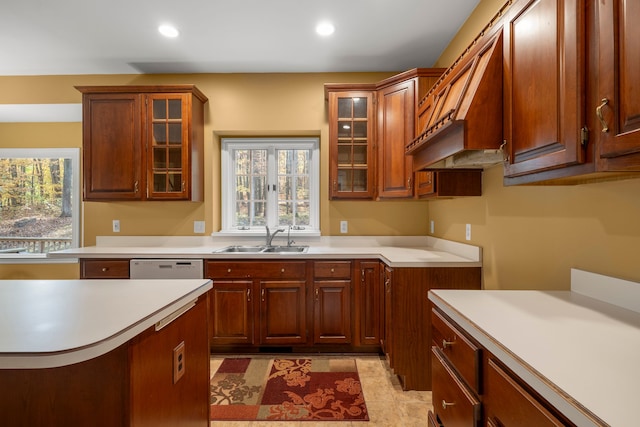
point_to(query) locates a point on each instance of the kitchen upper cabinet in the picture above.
(544, 86)
(615, 104)
(398, 99)
(351, 144)
(143, 142)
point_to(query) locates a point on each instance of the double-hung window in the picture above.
(272, 182)
(39, 200)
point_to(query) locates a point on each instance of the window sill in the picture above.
(262, 233)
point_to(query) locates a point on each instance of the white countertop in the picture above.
(49, 323)
(408, 251)
(578, 352)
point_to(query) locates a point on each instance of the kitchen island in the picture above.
(573, 354)
(104, 352)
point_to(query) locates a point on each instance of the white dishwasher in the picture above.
(166, 269)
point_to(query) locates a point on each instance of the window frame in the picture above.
(271, 144)
(51, 153)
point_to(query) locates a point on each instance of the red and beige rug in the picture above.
(257, 389)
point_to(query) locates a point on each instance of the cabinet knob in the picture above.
(248, 295)
(105, 269)
(135, 187)
(445, 405)
(228, 270)
(282, 271)
(332, 270)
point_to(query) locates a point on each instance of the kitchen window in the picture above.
(39, 200)
(272, 182)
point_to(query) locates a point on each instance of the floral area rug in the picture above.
(259, 389)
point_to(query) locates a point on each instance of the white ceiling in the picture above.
(45, 37)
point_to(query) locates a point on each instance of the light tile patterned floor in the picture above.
(387, 404)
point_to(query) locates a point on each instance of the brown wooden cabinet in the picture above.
(368, 302)
(131, 385)
(449, 183)
(232, 308)
(332, 302)
(408, 317)
(614, 108)
(104, 268)
(257, 303)
(472, 388)
(143, 142)
(351, 142)
(544, 86)
(398, 99)
(283, 319)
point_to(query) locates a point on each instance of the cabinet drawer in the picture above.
(464, 354)
(332, 269)
(508, 404)
(431, 420)
(104, 269)
(254, 269)
(454, 402)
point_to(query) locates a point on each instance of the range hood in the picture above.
(460, 118)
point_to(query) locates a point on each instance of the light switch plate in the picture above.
(116, 225)
(432, 226)
(344, 227)
(468, 232)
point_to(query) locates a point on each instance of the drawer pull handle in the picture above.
(248, 295)
(603, 122)
(447, 404)
(446, 343)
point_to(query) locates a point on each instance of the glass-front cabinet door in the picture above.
(167, 146)
(351, 139)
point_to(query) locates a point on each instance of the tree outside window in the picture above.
(38, 200)
(270, 182)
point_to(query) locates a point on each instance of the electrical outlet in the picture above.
(178, 362)
(468, 232)
(432, 226)
(116, 225)
(344, 227)
(198, 226)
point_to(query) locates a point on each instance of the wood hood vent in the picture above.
(461, 116)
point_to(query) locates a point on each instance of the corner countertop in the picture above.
(579, 352)
(51, 323)
(403, 251)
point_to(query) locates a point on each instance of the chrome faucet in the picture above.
(271, 236)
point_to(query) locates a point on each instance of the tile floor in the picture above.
(387, 404)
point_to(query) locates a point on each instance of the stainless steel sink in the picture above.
(286, 249)
(241, 249)
(262, 249)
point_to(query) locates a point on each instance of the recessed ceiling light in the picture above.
(168, 31)
(325, 28)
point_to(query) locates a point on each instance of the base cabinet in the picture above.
(471, 387)
(132, 385)
(408, 318)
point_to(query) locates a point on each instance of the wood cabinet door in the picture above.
(232, 312)
(368, 304)
(112, 147)
(351, 145)
(167, 143)
(387, 333)
(396, 126)
(617, 96)
(544, 85)
(282, 312)
(332, 311)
